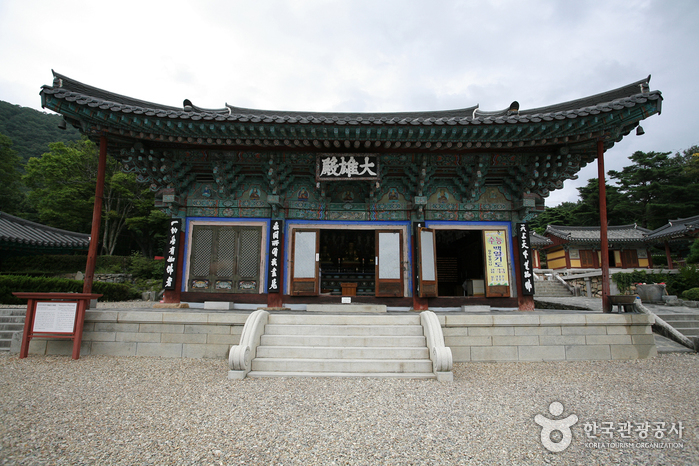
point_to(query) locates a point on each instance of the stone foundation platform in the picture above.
(481, 337)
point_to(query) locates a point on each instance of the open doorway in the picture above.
(347, 256)
(460, 263)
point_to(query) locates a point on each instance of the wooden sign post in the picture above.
(55, 315)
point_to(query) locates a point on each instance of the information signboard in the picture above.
(55, 317)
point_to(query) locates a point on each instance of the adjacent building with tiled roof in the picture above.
(679, 229)
(19, 237)
(576, 247)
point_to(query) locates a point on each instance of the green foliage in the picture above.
(148, 226)
(693, 257)
(687, 278)
(624, 280)
(145, 268)
(10, 194)
(691, 295)
(57, 264)
(62, 185)
(32, 130)
(13, 283)
(563, 214)
(658, 187)
(676, 284)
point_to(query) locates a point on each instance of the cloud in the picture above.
(365, 55)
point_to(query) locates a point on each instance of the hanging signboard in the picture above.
(333, 167)
(496, 258)
(273, 267)
(525, 260)
(171, 254)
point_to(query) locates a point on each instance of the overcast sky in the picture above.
(373, 55)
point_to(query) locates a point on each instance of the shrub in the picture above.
(624, 280)
(691, 294)
(58, 264)
(693, 257)
(10, 283)
(142, 267)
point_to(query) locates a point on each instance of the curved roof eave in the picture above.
(625, 96)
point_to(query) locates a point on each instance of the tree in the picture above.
(587, 213)
(563, 214)
(657, 187)
(62, 186)
(10, 193)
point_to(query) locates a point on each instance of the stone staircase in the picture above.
(11, 322)
(686, 324)
(341, 345)
(551, 289)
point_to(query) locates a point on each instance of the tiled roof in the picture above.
(617, 234)
(676, 229)
(21, 232)
(628, 96)
(539, 241)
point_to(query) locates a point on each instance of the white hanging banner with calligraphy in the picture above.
(496, 258)
(274, 265)
(526, 266)
(172, 250)
(332, 167)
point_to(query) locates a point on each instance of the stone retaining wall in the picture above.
(549, 337)
(471, 337)
(150, 333)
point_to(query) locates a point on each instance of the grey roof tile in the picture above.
(676, 229)
(618, 233)
(24, 232)
(623, 97)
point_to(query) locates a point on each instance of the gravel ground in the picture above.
(110, 410)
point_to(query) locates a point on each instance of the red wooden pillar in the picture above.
(670, 265)
(96, 217)
(604, 244)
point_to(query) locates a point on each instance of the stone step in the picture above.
(338, 340)
(13, 312)
(11, 319)
(344, 330)
(12, 327)
(678, 317)
(341, 365)
(340, 352)
(5, 344)
(688, 331)
(8, 333)
(344, 319)
(683, 323)
(392, 375)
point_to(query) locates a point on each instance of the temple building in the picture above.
(407, 209)
(575, 247)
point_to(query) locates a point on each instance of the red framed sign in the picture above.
(54, 315)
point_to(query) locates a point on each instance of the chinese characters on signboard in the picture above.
(275, 241)
(171, 252)
(526, 265)
(496, 258)
(347, 166)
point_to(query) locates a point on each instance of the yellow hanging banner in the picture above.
(496, 266)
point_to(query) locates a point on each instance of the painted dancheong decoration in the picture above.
(294, 206)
